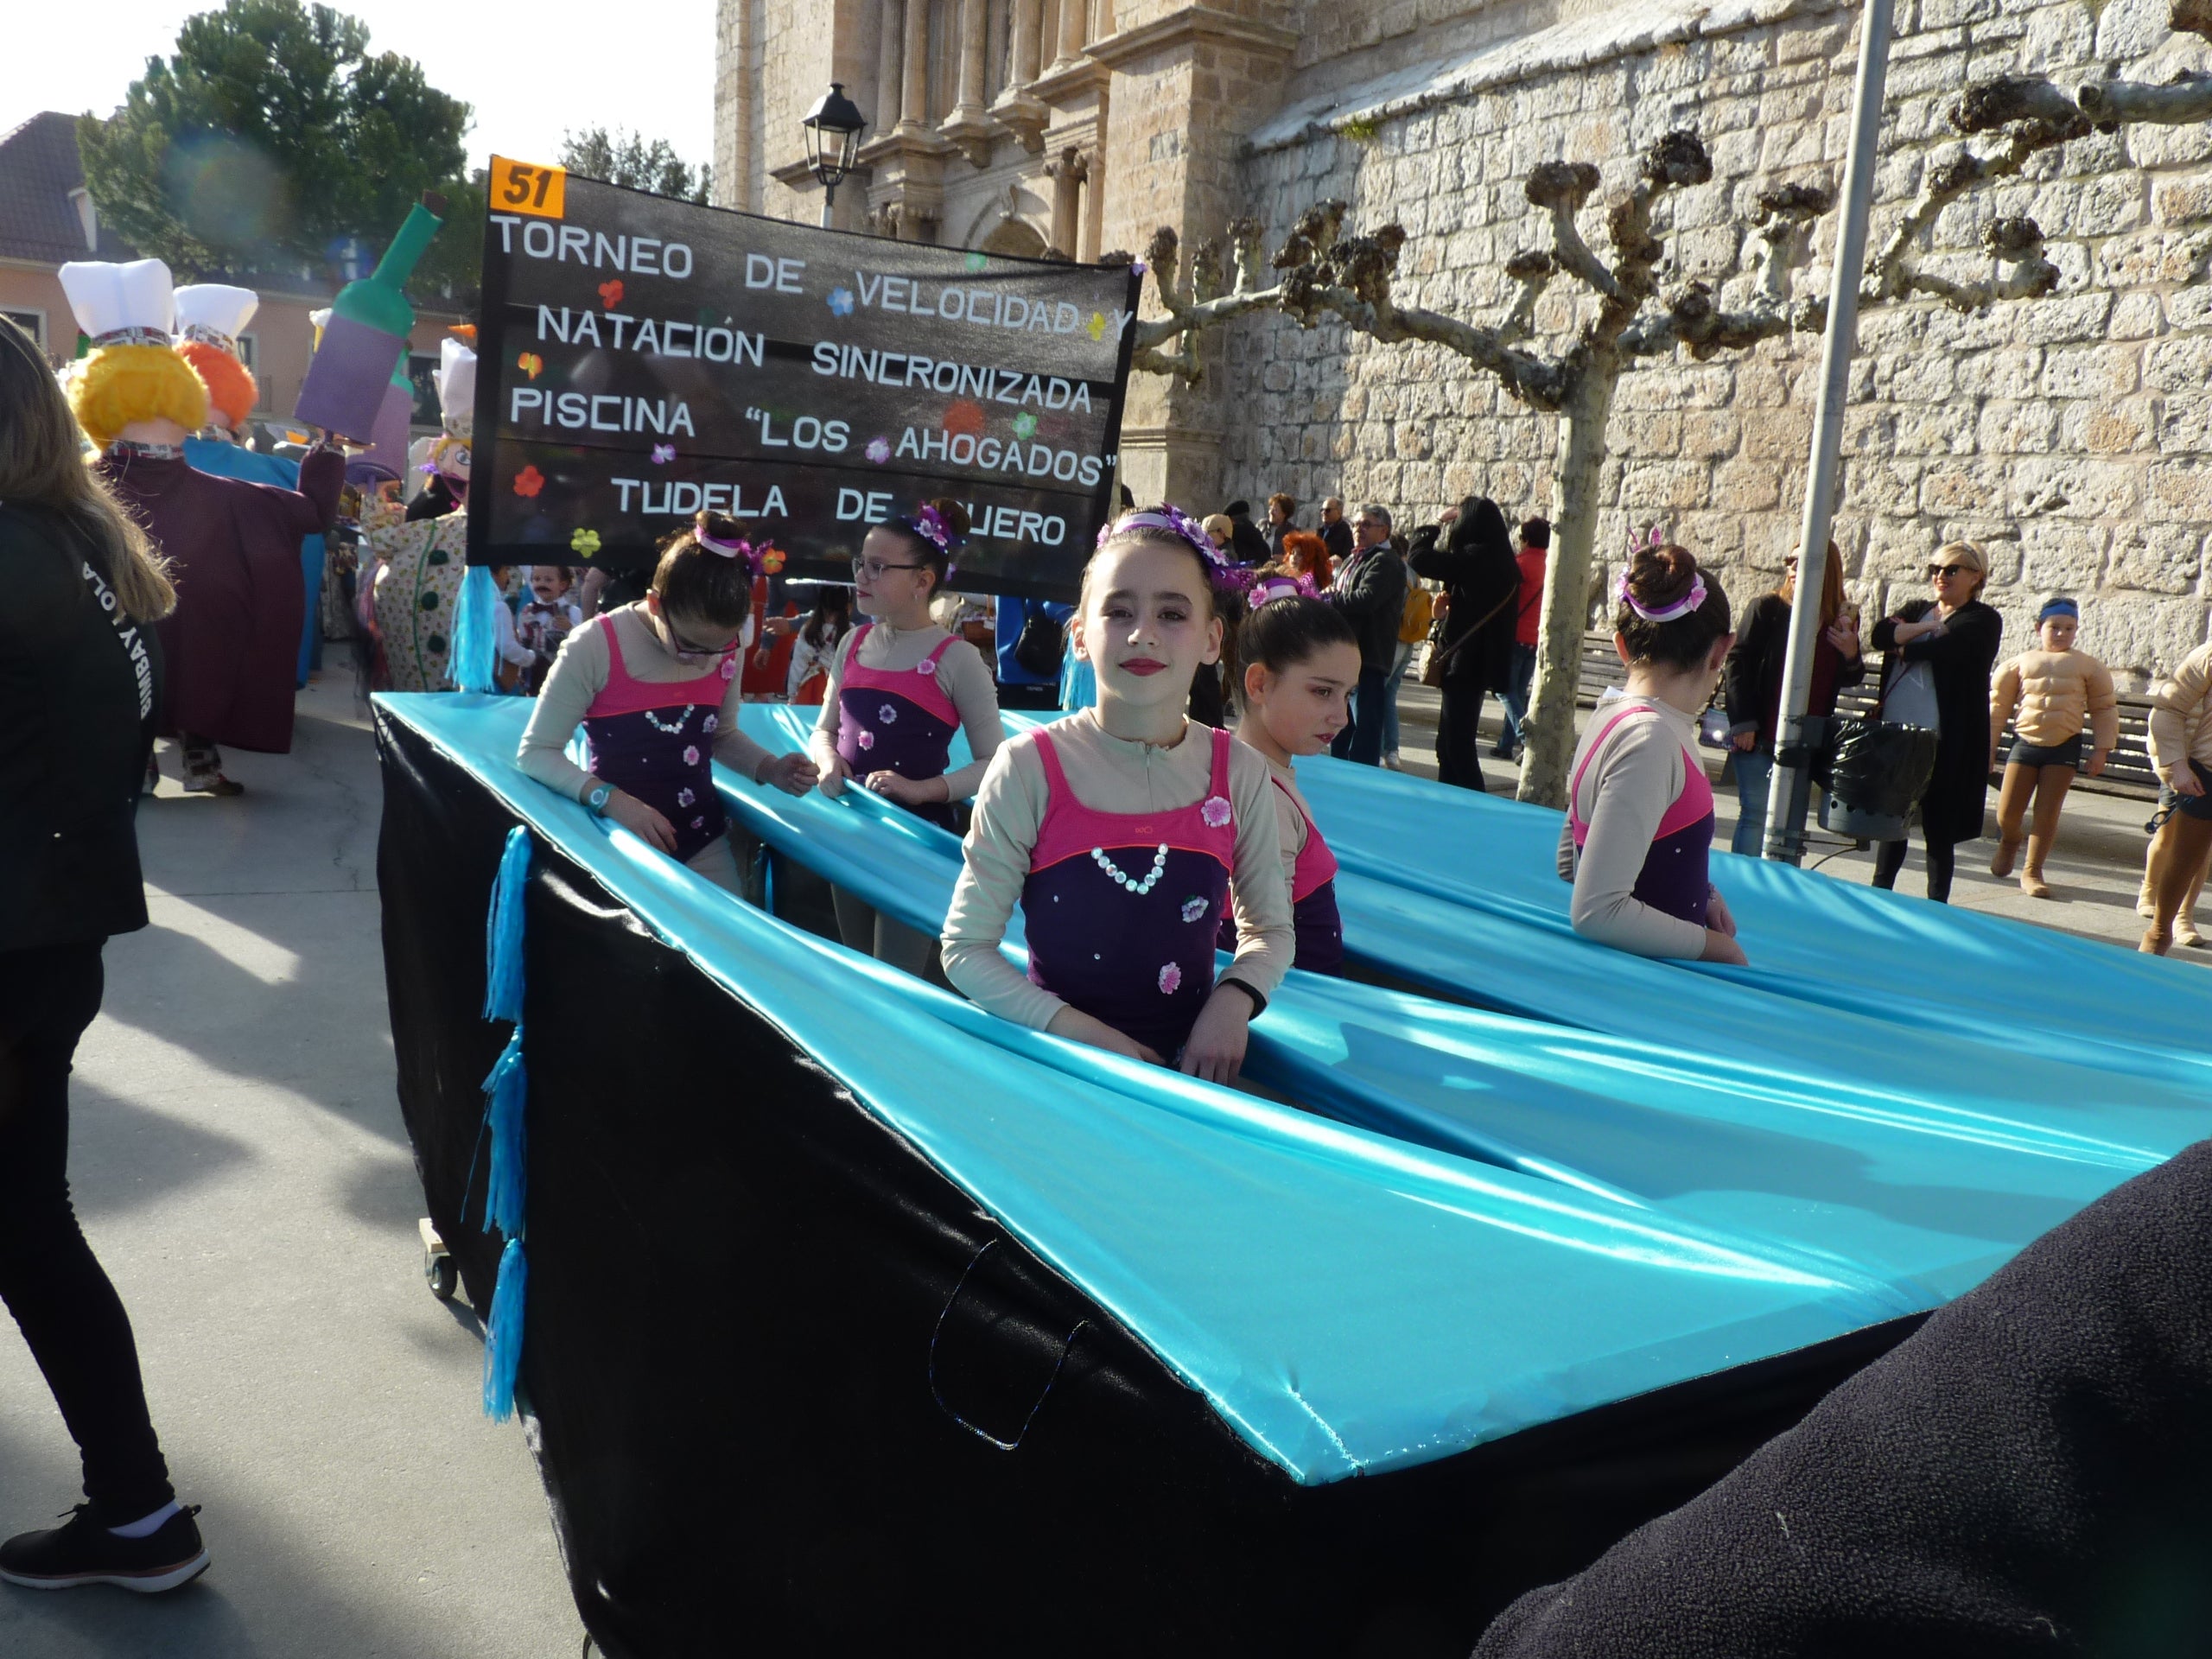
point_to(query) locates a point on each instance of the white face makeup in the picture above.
(1147, 624)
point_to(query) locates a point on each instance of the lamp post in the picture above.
(833, 138)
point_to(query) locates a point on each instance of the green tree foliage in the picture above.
(625, 158)
(270, 135)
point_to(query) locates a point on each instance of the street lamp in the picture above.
(833, 137)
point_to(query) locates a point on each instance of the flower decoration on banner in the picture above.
(1194, 909)
(1097, 328)
(965, 415)
(1138, 266)
(1170, 979)
(585, 542)
(662, 453)
(865, 737)
(691, 758)
(610, 293)
(528, 482)
(1216, 812)
(878, 450)
(887, 714)
(840, 301)
(684, 797)
(1024, 426)
(530, 364)
(978, 261)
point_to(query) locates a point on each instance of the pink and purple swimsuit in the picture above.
(1121, 909)
(1676, 875)
(655, 740)
(1320, 925)
(899, 722)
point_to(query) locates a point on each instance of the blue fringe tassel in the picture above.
(474, 646)
(502, 1335)
(508, 1085)
(503, 931)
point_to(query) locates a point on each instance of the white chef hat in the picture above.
(122, 305)
(215, 312)
(457, 388)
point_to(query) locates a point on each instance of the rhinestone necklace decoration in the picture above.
(670, 728)
(1152, 878)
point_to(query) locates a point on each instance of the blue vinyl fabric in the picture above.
(1920, 1194)
(1349, 1299)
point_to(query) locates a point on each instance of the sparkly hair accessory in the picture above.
(764, 559)
(1680, 607)
(926, 521)
(1222, 573)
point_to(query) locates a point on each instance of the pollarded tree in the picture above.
(1322, 270)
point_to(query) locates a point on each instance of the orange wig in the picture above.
(231, 390)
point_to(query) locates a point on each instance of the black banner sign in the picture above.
(640, 358)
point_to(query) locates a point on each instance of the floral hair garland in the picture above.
(762, 559)
(1225, 576)
(1268, 586)
(1688, 602)
(926, 521)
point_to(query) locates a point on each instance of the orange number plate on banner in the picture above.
(527, 187)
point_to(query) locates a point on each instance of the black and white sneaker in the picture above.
(85, 1552)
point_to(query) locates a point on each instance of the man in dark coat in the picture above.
(1481, 582)
(1370, 590)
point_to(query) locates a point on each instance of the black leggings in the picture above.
(49, 1278)
(1459, 761)
(1889, 859)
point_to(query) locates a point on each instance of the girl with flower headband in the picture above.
(899, 687)
(1118, 831)
(655, 687)
(1639, 816)
(2058, 691)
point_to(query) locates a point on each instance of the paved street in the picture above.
(240, 1165)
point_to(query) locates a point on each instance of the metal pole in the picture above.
(1791, 789)
(829, 201)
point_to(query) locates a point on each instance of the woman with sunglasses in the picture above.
(899, 687)
(655, 686)
(1956, 636)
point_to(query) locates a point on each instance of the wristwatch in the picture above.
(597, 797)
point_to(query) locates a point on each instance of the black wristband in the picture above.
(1259, 1002)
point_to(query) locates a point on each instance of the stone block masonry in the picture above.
(2071, 436)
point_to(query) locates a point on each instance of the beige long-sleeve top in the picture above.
(2057, 695)
(1291, 813)
(2179, 729)
(960, 674)
(1634, 771)
(1109, 774)
(580, 673)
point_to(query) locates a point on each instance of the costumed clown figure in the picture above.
(231, 646)
(422, 559)
(210, 317)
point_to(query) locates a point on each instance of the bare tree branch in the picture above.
(1560, 188)
(1532, 272)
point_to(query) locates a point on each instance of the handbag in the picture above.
(1040, 644)
(1878, 767)
(1436, 664)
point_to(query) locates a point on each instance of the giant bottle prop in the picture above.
(362, 344)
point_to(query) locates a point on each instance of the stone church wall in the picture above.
(2070, 435)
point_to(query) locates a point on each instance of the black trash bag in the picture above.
(1877, 768)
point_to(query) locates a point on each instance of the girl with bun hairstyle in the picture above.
(655, 686)
(1301, 663)
(1119, 830)
(899, 687)
(1639, 817)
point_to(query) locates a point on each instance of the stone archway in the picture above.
(1014, 236)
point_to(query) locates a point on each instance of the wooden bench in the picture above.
(2127, 770)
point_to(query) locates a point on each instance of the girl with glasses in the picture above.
(1956, 636)
(1117, 830)
(655, 686)
(899, 687)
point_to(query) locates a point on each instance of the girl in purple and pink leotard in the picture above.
(900, 688)
(1120, 829)
(1301, 662)
(1639, 816)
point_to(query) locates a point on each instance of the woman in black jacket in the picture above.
(1957, 636)
(78, 683)
(1481, 580)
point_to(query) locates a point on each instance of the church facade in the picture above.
(2071, 435)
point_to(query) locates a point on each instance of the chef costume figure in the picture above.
(210, 317)
(231, 648)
